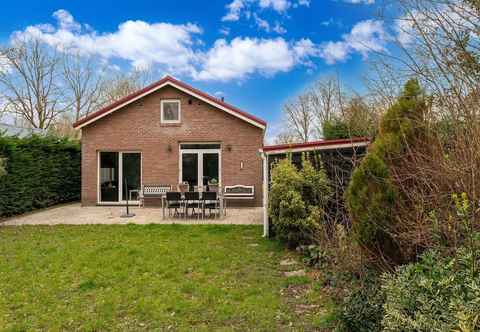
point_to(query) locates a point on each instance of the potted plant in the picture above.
(213, 185)
(183, 186)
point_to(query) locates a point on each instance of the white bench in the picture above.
(235, 192)
(239, 192)
(153, 191)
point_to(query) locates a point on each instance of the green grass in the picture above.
(154, 277)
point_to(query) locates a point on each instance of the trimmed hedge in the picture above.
(41, 172)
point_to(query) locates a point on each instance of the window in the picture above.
(170, 111)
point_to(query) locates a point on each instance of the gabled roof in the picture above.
(316, 145)
(168, 80)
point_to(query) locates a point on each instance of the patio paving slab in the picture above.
(75, 214)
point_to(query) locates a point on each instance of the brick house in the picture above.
(168, 133)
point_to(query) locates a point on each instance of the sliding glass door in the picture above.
(119, 176)
(109, 170)
(131, 175)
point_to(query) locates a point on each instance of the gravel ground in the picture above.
(75, 214)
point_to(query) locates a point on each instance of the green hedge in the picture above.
(41, 172)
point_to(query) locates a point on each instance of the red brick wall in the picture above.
(137, 127)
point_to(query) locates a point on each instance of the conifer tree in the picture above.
(372, 196)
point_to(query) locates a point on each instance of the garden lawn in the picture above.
(147, 277)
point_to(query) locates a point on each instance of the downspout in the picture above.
(265, 194)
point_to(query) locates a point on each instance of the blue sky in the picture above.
(257, 53)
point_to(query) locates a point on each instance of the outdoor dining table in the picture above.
(220, 198)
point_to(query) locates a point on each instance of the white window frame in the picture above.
(200, 153)
(162, 120)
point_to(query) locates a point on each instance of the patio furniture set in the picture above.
(192, 201)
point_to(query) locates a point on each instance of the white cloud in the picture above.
(356, 2)
(224, 31)
(279, 29)
(238, 7)
(178, 50)
(66, 21)
(262, 24)
(141, 43)
(234, 10)
(243, 57)
(404, 30)
(442, 16)
(265, 25)
(277, 5)
(305, 3)
(365, 37)
(304, 49)
(4, 64)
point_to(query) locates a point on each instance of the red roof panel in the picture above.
(313, 144)
(125, 100)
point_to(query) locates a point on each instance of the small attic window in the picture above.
(170, 111)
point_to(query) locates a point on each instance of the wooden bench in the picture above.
(153, 191)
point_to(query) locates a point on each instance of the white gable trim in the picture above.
(187, 91)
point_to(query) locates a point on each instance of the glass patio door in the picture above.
(131, 176)
(119, 176)
(210, 167)
(190, 169)
(200, 164)
(109, 170)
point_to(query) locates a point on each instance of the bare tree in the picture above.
(299, 118)
(326, 110)
(83, 81)
(121, 84)
(285, 137)
(383, 85)
(29, 86)
(327, 100)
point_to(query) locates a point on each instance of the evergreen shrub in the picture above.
(40, 172)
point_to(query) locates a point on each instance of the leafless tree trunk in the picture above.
(327, 100)
(119, 85)
(83, 84)
(324, 106)
(299, 118)
(28, 86)
(285, 137)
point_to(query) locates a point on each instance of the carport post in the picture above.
(265, 194)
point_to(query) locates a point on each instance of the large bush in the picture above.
(40, 172)
(297, 201)
(372, 195)
(435, 294)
